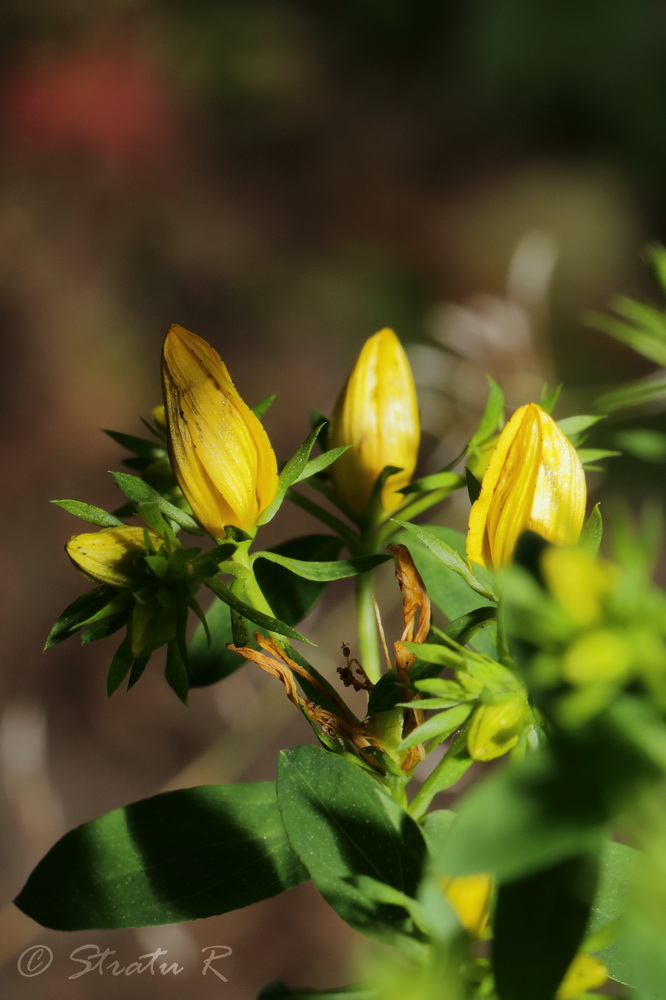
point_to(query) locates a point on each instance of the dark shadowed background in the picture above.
(283, 178)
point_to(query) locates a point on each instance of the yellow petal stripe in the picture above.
(377, 415)
(220, 453)
(534, 481)
(110, 555)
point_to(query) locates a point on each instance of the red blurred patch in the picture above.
(108, 103)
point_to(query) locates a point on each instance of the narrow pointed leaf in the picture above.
(88, 513)
(138, 491)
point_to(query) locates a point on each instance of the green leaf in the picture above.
(91, 515)
(646, 338)
(438, 727)
(323, 572)
(642, 442)
(178, 856)
(444, 480)
(121, 664)
(618, 868)
(343, 825)
(278, 991)
(79, 612)
(321, 462)
(539, 924)
(492, 419)
(640, 393)
(575, 427)
(261, 407)
(290, 474)
(175, 670)
(593, 529)
(208, 662)
(291, 597)
(451, 559)
(143, 447)
(258, 617)
(533, 803)
(138, 492)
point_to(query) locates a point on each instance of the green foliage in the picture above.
(178, 856)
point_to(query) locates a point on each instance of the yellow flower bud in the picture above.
(469, 897)
(495, 729)
(377, 415)
(110, 555)
(534, 481)
(585, 973)
(220, 453)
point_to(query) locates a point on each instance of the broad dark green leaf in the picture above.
(540, 921)
(291, 597)
(343, 825)
(178, 856)
(88, 513)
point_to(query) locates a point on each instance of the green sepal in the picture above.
(260, 408)
(175, 670)
(473, 485)
(290, 474)
(592, 533)
(144, 448)
(321, 462)
(178, 856)
(491, 421)
(90, 514)
(550, 397)
(138, 491)
(121, 664)
(576, 428)
(79, 613)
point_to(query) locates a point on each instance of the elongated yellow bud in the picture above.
(220, 453)
(469, 897)
(377, 415)
(110, 555)
(534, 481)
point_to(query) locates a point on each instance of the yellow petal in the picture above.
(585, 973)
(110, 555)
(377, 415)
(469, 897)
(220, 453)
(534, 481)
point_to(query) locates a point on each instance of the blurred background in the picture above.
(283, 178)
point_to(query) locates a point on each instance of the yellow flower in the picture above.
(469, 897)
(495, 729)
(220, 453)
(584, 973)
(110, 555)
(534, 481)
(377, 415)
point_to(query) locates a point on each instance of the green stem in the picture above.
(339, 527)
(368, 640)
